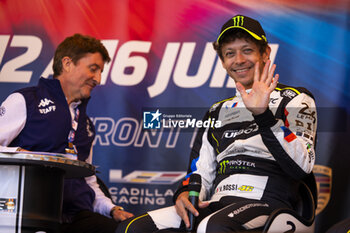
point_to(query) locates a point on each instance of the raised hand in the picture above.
(258, 98)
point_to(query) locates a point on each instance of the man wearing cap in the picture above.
(252, 164)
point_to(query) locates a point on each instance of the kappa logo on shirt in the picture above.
(44, 107)
(45, 102)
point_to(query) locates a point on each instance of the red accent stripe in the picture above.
(170, 175)
(325, 190)
(185, 182)
(322, 179)
(286, 113)
(290, 137)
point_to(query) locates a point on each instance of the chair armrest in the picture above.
(285, 220)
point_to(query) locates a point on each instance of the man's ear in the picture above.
(66, 63)
(266, 54)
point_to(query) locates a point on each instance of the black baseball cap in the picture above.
(246, 23)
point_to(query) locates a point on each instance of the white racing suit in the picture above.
(250, 165)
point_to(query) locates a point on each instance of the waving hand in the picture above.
(258, 98)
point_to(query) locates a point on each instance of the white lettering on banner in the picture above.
(274, 48)
(160, 201)
(128, 69)
(153, 137)
(125, 131)
(140, 196)
(181, 79)
(193, 137)
(124, 60)
(171, 142)
(4, 39)
(9, 72)
(104, 128)
(165, 69)
(48, 71)
(111, 46)
(128, 131)
(219, 75)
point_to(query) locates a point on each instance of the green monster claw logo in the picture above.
(235, 165)
(223, 167)
(238, 20)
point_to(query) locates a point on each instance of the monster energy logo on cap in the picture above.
(250, 25)
(238, 21)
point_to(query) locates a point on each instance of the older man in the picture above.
(51, 117)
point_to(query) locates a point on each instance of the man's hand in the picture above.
(183, 204)
(258, 98)
(120, 215)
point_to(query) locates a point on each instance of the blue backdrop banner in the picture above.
(164, 71)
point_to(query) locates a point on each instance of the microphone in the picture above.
(194, 187)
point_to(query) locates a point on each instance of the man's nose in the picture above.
(240, 58)
(97, 77)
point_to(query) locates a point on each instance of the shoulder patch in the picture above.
(291, 92)
(288, 93)
(214, 106)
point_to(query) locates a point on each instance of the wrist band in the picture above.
(115, 208)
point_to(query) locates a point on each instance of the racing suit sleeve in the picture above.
(202, 161)
(291, 141)
(13, 116)
(102, 204)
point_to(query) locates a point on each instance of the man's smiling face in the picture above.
(239, 58)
